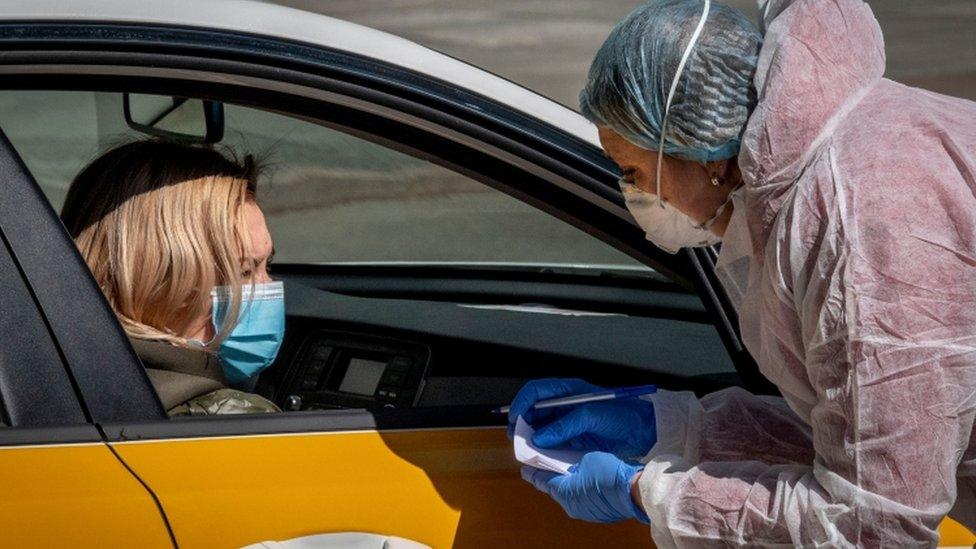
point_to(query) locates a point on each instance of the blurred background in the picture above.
(547, 45)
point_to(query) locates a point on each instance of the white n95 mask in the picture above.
(666, 226)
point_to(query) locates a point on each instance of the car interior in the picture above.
(409, 285)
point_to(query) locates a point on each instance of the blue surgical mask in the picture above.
(254, 342)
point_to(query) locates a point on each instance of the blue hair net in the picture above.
(631, 76)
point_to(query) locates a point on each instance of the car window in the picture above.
(328, 196)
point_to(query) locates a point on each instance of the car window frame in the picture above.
(349, 101)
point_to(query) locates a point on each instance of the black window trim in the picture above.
(54, 435)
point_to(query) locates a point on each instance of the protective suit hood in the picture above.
(818, 59)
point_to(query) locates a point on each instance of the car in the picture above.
(444, 236)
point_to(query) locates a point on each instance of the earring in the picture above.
(716, 181)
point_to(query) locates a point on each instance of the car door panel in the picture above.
(445, 487)
(72, 494)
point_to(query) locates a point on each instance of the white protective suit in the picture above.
(860, 209)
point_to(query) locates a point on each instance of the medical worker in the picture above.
(846, 208)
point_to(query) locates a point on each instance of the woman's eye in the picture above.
(246, 274)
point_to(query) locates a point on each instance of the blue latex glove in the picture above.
(597, 490)
(625, 427)
(544, 389)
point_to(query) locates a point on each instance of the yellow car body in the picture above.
(444, 488)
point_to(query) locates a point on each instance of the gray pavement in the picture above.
(547, 45)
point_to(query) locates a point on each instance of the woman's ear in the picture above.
(722, 172)
(715, 171)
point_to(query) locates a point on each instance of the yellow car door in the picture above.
(61, 492)
(319, 472)
(324, 472)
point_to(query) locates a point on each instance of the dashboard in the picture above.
(382, 353)
(344, 370)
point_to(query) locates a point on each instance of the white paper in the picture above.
(557, 461)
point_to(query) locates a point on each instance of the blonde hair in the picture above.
(159, 225)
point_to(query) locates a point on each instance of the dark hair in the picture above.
(152, 161)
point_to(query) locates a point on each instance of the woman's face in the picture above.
(260, 254)
(685, 184)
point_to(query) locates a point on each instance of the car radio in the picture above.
(343, 370)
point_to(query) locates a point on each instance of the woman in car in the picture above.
(846, 208)
(177, 243)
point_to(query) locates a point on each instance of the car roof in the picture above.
(266, 19)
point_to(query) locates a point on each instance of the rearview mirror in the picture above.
(174, 118)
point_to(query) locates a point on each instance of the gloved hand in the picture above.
(625, 427)
(597, 490)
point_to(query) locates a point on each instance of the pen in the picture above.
(608, 394)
